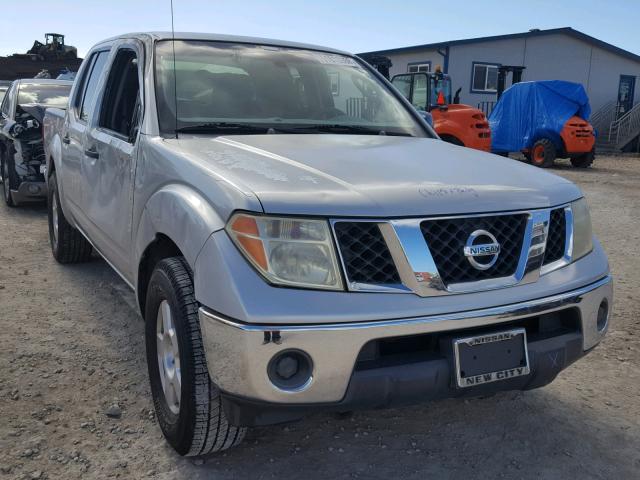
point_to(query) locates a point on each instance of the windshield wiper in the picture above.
(346, 129)
(224, 127)
(256, 128)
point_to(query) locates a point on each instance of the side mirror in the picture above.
(427, 117)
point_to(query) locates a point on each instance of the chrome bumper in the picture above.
(238, 354)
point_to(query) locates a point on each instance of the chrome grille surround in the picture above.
(419, 273)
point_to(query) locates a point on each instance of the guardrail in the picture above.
(602, 118)
(486, 107)
(625, 128)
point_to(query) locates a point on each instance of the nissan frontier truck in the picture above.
(300, 240)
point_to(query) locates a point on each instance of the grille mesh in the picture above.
(365, 254)
(556, 237)
(447, 237)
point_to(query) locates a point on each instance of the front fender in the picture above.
(180, 213)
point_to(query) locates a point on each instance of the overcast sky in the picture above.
(353, 25)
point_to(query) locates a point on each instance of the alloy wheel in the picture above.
(168, 357)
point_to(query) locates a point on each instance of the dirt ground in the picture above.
(71, 345)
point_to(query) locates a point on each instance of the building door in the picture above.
(626, 91)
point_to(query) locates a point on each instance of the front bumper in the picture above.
(238, 353)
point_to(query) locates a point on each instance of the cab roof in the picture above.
(158, 36)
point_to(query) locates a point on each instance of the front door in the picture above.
(626, 91)
(110, 157)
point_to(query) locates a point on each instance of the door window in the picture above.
(88, 93)
(626, 91)
(121, 102)
(403, 84)
(419, 99)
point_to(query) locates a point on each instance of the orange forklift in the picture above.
(431, 92)
(455, 123)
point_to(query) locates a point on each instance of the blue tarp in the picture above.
(529, 111)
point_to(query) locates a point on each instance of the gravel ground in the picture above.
(71, 346)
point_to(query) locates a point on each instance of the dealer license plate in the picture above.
(491, 357)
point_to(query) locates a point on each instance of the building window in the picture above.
(484, 77)
(419, 67)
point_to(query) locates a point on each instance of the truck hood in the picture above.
(373, 176)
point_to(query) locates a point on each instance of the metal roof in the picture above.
(531, 33)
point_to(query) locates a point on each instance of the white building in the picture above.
(608, 73)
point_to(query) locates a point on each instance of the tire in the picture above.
(187, 404)
(543, 153)
(7, 183)
(584, 161)
(67, 243)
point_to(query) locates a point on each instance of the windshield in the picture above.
(236, 85)
(51, 95)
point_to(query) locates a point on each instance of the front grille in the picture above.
(365, 254)
(556, 237)
(446, 239)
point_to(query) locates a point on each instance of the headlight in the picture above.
(582, 234)
(288, 251)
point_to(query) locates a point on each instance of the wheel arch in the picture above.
(176, 221)
(160, 248)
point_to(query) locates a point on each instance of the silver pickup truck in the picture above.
(300, 240)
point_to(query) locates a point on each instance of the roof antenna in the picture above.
(175, 75)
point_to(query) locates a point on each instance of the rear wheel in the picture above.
(543, 153)
(7, 183)
(585, 160)
(68, 245)
(187, 403)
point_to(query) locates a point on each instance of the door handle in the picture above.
(91, 153)
(66, 139)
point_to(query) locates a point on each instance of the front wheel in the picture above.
(543, 153)
(585, 160)
(187, 403)
(7, 183)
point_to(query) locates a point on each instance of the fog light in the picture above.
(34, 189)
(290, 370)
(603, 315)
(287, 367)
